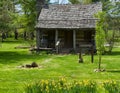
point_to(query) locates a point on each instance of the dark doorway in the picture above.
(51, 39)
(87, 36)
(68, 37)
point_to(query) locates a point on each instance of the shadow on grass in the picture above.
(8, 57)
(12, 41)
(114, 70)
(114, 53)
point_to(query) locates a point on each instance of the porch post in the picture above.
(38, 38)
(74, 39)
(56, 39)
(56, 36)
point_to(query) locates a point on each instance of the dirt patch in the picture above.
(99, 70)
(32, 65)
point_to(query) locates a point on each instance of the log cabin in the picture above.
(66, 27)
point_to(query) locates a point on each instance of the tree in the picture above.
(96, 0)
(39, 4)
(74, 1)
(81, 1)
(111, 22)
(6, 8)
(100, 37)
(84, 1)
(28, 15)
(106, 28)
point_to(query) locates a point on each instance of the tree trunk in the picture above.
(3, 36)
(99, 65)
(32, 36)
(25, 35)
(16, 34)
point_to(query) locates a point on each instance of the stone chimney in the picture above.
(39, 5)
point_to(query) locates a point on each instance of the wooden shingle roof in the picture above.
(69, 16)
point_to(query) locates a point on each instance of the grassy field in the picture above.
(13, 78)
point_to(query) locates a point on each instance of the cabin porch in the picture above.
(65, 40)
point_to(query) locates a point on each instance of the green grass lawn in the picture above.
(13, 78)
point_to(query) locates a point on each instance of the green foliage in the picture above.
(83, 1)
(87, 1)
(74, 1)
(6, 8)
(96, 0)
(100, 36)
(111, 22)
(28, 17)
